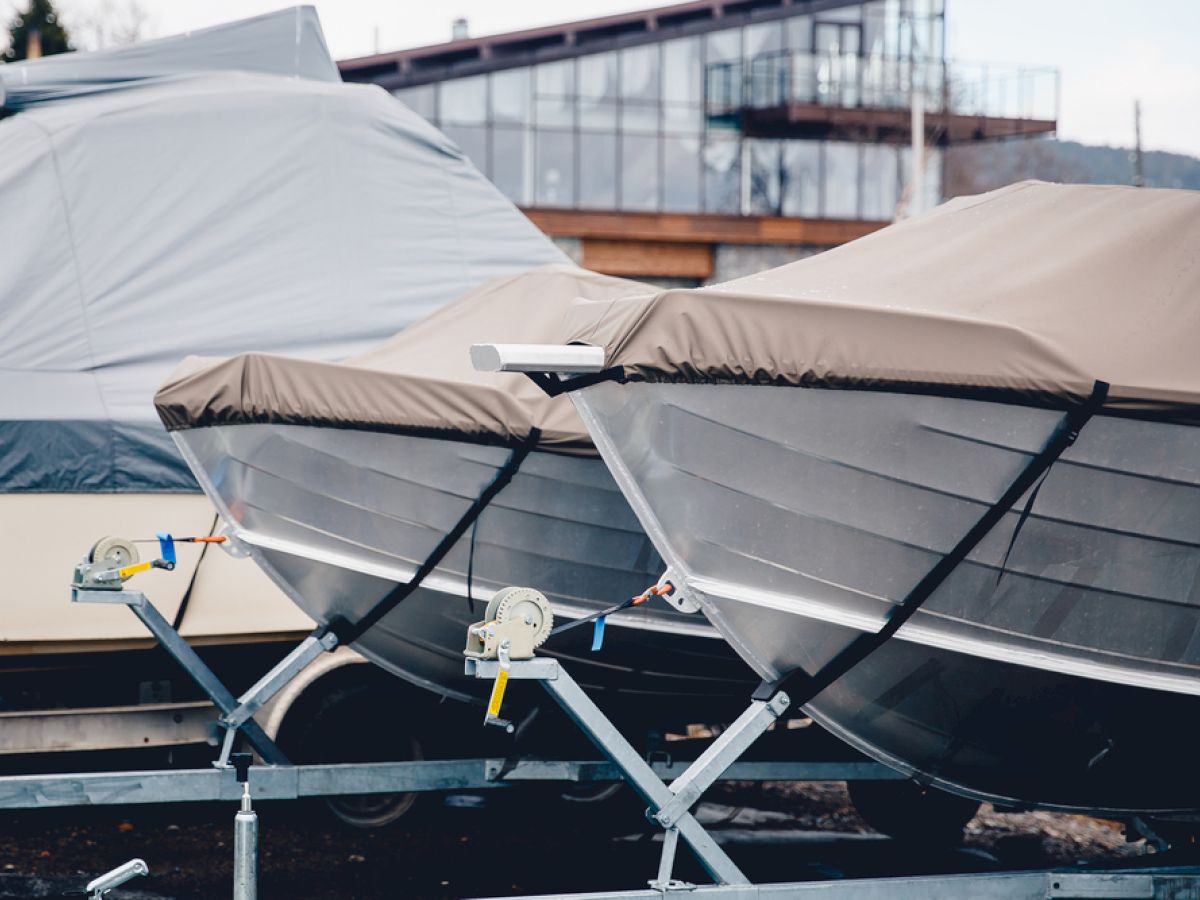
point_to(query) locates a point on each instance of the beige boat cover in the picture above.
(418, 382)
(1030, 293)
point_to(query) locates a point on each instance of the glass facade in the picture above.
(635, 129)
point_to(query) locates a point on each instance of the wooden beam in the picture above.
(642, 259)
(697, 228)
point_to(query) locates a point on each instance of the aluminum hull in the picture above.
(338, 517)
(1058, 666)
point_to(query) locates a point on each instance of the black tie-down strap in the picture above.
(803, 687)
(348, 632)
(554, 386)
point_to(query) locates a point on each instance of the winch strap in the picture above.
(348, 632)
(653, 591)
(803, 687)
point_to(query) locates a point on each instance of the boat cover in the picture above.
(288, 42)
(419, 382)
(197, 196)
(1030, 293)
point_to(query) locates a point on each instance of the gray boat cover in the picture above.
(1030, 293)
(289, 42)
(212, 194)
(419, 382)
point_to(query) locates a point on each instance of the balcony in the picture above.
(803, 95)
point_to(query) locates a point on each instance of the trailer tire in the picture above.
(907, 812)
(341, 722)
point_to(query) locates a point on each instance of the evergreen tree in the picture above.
(43, 18)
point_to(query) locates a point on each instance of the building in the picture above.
(704, 140)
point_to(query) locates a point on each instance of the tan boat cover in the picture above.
(1030, 294)
(419, 381)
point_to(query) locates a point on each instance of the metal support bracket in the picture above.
(182, 653)
(669, 805)
(275, 680)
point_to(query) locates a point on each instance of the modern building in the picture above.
(715, 137)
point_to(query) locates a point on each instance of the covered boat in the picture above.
(944, 483)
(392, 493)
(209, 193)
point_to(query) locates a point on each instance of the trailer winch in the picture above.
(110, 563)
(516, 622)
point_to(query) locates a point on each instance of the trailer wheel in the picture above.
(353, 723)
(907, 812)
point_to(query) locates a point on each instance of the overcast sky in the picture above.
(1109, 51)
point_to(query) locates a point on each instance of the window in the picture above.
(681, 174)
(766, 37)
(879, 190)
(512, 162)
(555, 167)
(722, 174)
(473, 141)
(799, 34)
(422, 100)
(766, 63)
(598, 170)
(639, 172)
(802, 179)
(463, 101)
(598, 90)
(640, 93)
(555, 89)
(510, 96)
(932, 179)
(766, 177)
(841, 180)
(682, 80)
(724, 46)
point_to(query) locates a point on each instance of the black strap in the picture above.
(177, 623)
(575, 623)
(553, 385)
(1021, 520)
(348, 632)
(804, 687)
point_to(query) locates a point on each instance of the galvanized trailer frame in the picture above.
(670, 789)
(278, 779)
(670, 804)
(1161, 884)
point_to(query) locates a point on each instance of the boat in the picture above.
(206, 193)
(941, 483)
(392, 494)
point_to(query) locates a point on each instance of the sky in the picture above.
(1110, 52)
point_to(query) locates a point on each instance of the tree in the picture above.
(111, 23)
(42, 18)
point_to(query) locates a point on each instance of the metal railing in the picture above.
(849, 81)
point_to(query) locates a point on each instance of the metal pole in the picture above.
(580, 708)
(245, 855)
(1139, 171)
(182, 653)
(917, 204)
(245, 836)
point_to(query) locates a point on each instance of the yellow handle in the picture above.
(497, 698)
(130, 571)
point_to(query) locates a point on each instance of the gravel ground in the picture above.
(514, 846)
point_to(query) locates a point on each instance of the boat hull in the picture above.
(1059, 665)
(339, 517)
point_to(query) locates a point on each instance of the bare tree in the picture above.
(111, 23)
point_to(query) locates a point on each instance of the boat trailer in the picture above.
(670, 789)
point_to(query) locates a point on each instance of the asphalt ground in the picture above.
(521, 842)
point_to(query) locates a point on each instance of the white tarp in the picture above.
(172, 209)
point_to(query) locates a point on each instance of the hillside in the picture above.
(973, 168)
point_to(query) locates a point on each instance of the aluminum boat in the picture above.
(342, 479)
(976, 429)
